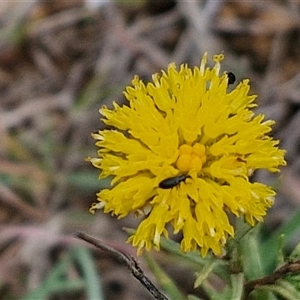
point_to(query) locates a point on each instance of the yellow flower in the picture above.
(181, 153)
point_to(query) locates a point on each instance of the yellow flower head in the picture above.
(182, 152)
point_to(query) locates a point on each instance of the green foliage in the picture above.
(253, 268)
(58, 282)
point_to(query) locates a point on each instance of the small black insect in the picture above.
(231, 78)
(172, 181)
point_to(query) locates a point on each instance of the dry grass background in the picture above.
(60, 61)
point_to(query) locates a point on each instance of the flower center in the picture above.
(191, 157)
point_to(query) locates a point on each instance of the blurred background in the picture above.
(60, 61)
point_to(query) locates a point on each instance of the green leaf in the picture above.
(220, 267)
(90, 274)
(58, 282)
(249, 255)
(237, 286)
(55, 282)
(163, 279)
(289, 229)
(284, 289)
(295, 253)
(208, 267)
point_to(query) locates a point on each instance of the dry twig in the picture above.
(289, 267)
(129, 261)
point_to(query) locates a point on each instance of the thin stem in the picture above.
(289, 267)
(129, 261)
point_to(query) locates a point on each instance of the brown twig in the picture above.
(289, 267)
(129, 261)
